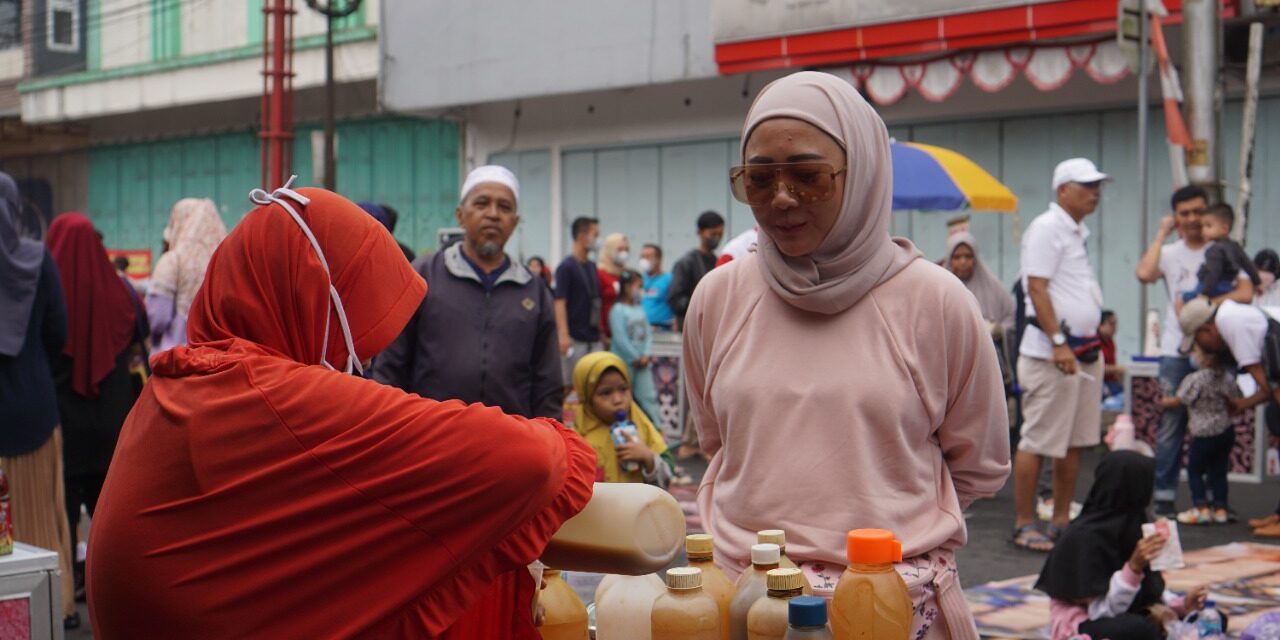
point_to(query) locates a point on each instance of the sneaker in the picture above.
(1165, 509)
(1044, 509)
(1195, 516)
(1220, 516)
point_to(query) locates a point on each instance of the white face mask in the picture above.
(260, 197)
(594, 245)
(620, 258)
(645, 266)
(1267, 278)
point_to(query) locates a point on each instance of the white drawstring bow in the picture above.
(261, 197)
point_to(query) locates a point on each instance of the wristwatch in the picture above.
(1059, 339)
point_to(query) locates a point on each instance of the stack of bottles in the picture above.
(771, 600)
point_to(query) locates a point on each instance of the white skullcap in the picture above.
(491, 173)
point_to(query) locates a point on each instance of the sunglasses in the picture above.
(807, 182)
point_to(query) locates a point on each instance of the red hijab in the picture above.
(255, 493)
(101, 319)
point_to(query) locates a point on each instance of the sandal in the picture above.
(1053, 531)
(1258, 523)
(1195, 516)
(1030, 538)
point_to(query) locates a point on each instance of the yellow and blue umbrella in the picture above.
(929, 178)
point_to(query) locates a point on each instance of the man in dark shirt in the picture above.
(486, 330)
(578, 318)
(689, 270)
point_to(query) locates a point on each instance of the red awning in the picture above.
(996, 28)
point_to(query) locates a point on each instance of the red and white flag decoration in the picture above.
(1171, 88)
(1046, 67)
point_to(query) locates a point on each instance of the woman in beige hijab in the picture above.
(837, 381)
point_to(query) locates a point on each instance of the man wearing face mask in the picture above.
(656, 285)
(488, 332)
(689, 270)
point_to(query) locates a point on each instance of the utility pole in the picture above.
(330, 9)
(1201, 59)
(277, 93)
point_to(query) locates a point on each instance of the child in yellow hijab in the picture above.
(604, 387)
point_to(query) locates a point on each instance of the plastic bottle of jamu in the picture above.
(685, 611)
(700, 548)
(871, 600)
(768, 617)
(624, 606)
(779, 537)
(627, 528)
(808, 618)
(566, 616)
(752, 585)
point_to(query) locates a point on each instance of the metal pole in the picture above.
(330, 166)
(1248, 129)
(1143, 55)
(1200, 59)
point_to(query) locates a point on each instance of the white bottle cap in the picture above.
(767, 553)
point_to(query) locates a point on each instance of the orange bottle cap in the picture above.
(873, 546)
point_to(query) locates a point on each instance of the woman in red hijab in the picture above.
(105, 328)
(257, 492)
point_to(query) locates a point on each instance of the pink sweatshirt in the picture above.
(890, 414)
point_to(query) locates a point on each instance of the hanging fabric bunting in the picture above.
(1108, 64)
(886, 84)
(1049, 68)
(1046, 67)
(941, 79)
(992, 71)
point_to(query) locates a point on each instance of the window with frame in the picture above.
(10, 24)
(62, 26)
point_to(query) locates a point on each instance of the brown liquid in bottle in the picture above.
(871, 600)
(768, 618)
(685, 611)
(752, 585)
(779, 537)
(627, 528)
(566, 616)
(700, 549)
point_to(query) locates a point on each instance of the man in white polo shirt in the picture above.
(1060, 368)
(1177, 263)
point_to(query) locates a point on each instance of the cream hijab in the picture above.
(612, 243)
(193, 232)
(858, 254)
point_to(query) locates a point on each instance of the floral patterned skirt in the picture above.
(933, 583)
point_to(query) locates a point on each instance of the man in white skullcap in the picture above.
(486, 332)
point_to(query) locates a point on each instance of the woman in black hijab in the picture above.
(1097, 574)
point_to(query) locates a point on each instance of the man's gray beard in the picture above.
(488, 249)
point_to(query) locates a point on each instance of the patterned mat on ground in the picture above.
(1242, 577)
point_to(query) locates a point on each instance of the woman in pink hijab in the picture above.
(837, 381)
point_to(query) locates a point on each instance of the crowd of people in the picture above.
(209, 427)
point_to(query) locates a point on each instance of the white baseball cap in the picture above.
(1081, 170)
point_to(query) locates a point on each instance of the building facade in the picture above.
(632, 112)
(165, 96)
